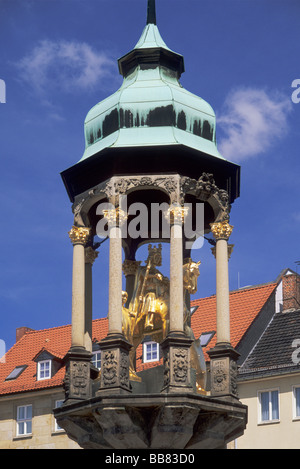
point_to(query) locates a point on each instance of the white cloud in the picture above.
(251, 121)
(65, 65)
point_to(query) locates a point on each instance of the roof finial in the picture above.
(151, 12)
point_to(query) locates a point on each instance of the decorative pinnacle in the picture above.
(151, 12)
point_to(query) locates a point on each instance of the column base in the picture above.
(77, 381)
(223, 370)
(114, 374)
(177, 370)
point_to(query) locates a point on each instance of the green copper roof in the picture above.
(151, 38)
(151, 107)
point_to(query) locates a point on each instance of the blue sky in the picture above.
(58, 58)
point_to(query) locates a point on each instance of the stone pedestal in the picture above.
(223, 371)
(154, 421)
(114, 375)
(77, 382)
(177, 372)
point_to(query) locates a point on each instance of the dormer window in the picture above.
(44, 369)
(47, 364)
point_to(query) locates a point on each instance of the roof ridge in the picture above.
(253, 287)
(240, 290)
(34, 331)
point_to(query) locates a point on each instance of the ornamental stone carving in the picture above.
(233, 378)
(180, 365)
(90, 255)
(124, 367)
(130, 267)
(224, 371)
(166, 368)
(230, 250)
(77, 384)
(203, 189)
(109, 368)
(176, 352)
(219, 375)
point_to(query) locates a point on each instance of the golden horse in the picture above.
(148, 311)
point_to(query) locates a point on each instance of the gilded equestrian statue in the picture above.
(148, 311)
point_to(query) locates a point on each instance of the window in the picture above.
(268, 406)
(58, 404)
(24, 420)
(96, 359)
(206, 337)
(151, 352)
(296, 402)
(44, 369)
(15, 373)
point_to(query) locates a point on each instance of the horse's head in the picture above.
(190, 276)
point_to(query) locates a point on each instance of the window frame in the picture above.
(25, 420)
(294, 402)
(209, 334)
(151, 342)
(57, 428)
(42, 362)
(270, 410)
(94, 353)
(16, 372)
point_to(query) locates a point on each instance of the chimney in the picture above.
(291, 291)
(20, 331)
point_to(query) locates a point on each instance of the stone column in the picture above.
(90, 256)
(176, 272)
(115, 218)
(176, 346)
(223, 357)
(77, 382)
(115, 348)
(79, 237)
(221, 232)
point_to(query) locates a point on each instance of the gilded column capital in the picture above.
(221, 230)
(90, 255)
(115, 216)
(79, 235)
(176, 214)
(130, 267)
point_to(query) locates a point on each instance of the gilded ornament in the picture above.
(176, 214)
(79, 234)
(115, 216)
(221, 230)
(148, 311)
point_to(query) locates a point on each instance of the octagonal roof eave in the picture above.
(150, 137)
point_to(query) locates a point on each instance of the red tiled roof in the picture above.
(244, 306)
(56, 341)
